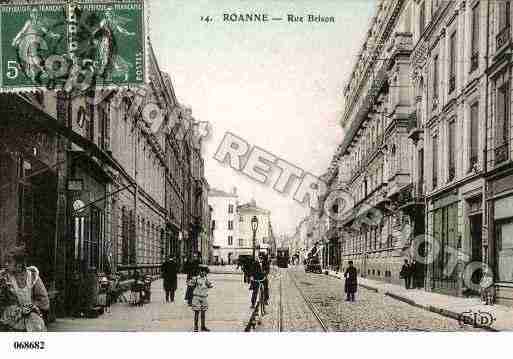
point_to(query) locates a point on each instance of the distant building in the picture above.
(224, 225)
(263, 235)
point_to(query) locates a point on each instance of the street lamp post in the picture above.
(254, 227)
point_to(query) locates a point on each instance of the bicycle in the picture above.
(260, 297)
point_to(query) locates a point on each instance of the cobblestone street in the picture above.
(371, 311)
(228, 311)
(299, 302)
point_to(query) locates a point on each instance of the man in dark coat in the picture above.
(169, 272)
(351, 283)
(406, 274)
(257, 276)
(417, 271)
(266, 268)
(191, 268)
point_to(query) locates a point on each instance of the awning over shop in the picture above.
(15, 111)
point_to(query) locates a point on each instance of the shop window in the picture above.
(504, 235)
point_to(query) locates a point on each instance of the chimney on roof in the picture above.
(234, 190)
(253, 202)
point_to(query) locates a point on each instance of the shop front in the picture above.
(501, 234)
(87, 251)
(28, 195)
(443, 276)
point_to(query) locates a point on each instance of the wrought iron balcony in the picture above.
(503, 38)
(452, 83)
(411, 197)
(474, 61)
(501, 153)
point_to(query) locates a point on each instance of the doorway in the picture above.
(476, 246)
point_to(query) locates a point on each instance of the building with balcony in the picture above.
(449, 74)
(498, 157)
(90, 188)
(374, 162)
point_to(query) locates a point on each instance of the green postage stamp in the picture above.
(72, 45)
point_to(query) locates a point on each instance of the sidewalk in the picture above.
(442, 304)
(229, 310)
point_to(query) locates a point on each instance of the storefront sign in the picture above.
(72, 46)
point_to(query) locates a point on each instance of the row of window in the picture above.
(503, 14)
(151, 240)
(452, 147)
(371, 239)
(240, 242)
(501, 134)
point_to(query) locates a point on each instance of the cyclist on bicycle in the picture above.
(257, 277)
(266, 267)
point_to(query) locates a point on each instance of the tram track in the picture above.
(306, 300)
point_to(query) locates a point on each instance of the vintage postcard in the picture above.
(267, 166)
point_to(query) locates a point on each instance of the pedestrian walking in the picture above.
(200, 285)
(169, 275)
(405, 273)
(416, 274)
(351, 282)
(191, 268)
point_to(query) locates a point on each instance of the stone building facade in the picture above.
(89, 187)
(373, 162)
(427, 152)
(498, 157)
(448, 132)
(224, 224)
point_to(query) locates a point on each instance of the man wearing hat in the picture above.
(169, 273)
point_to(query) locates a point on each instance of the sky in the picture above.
(277, 85)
